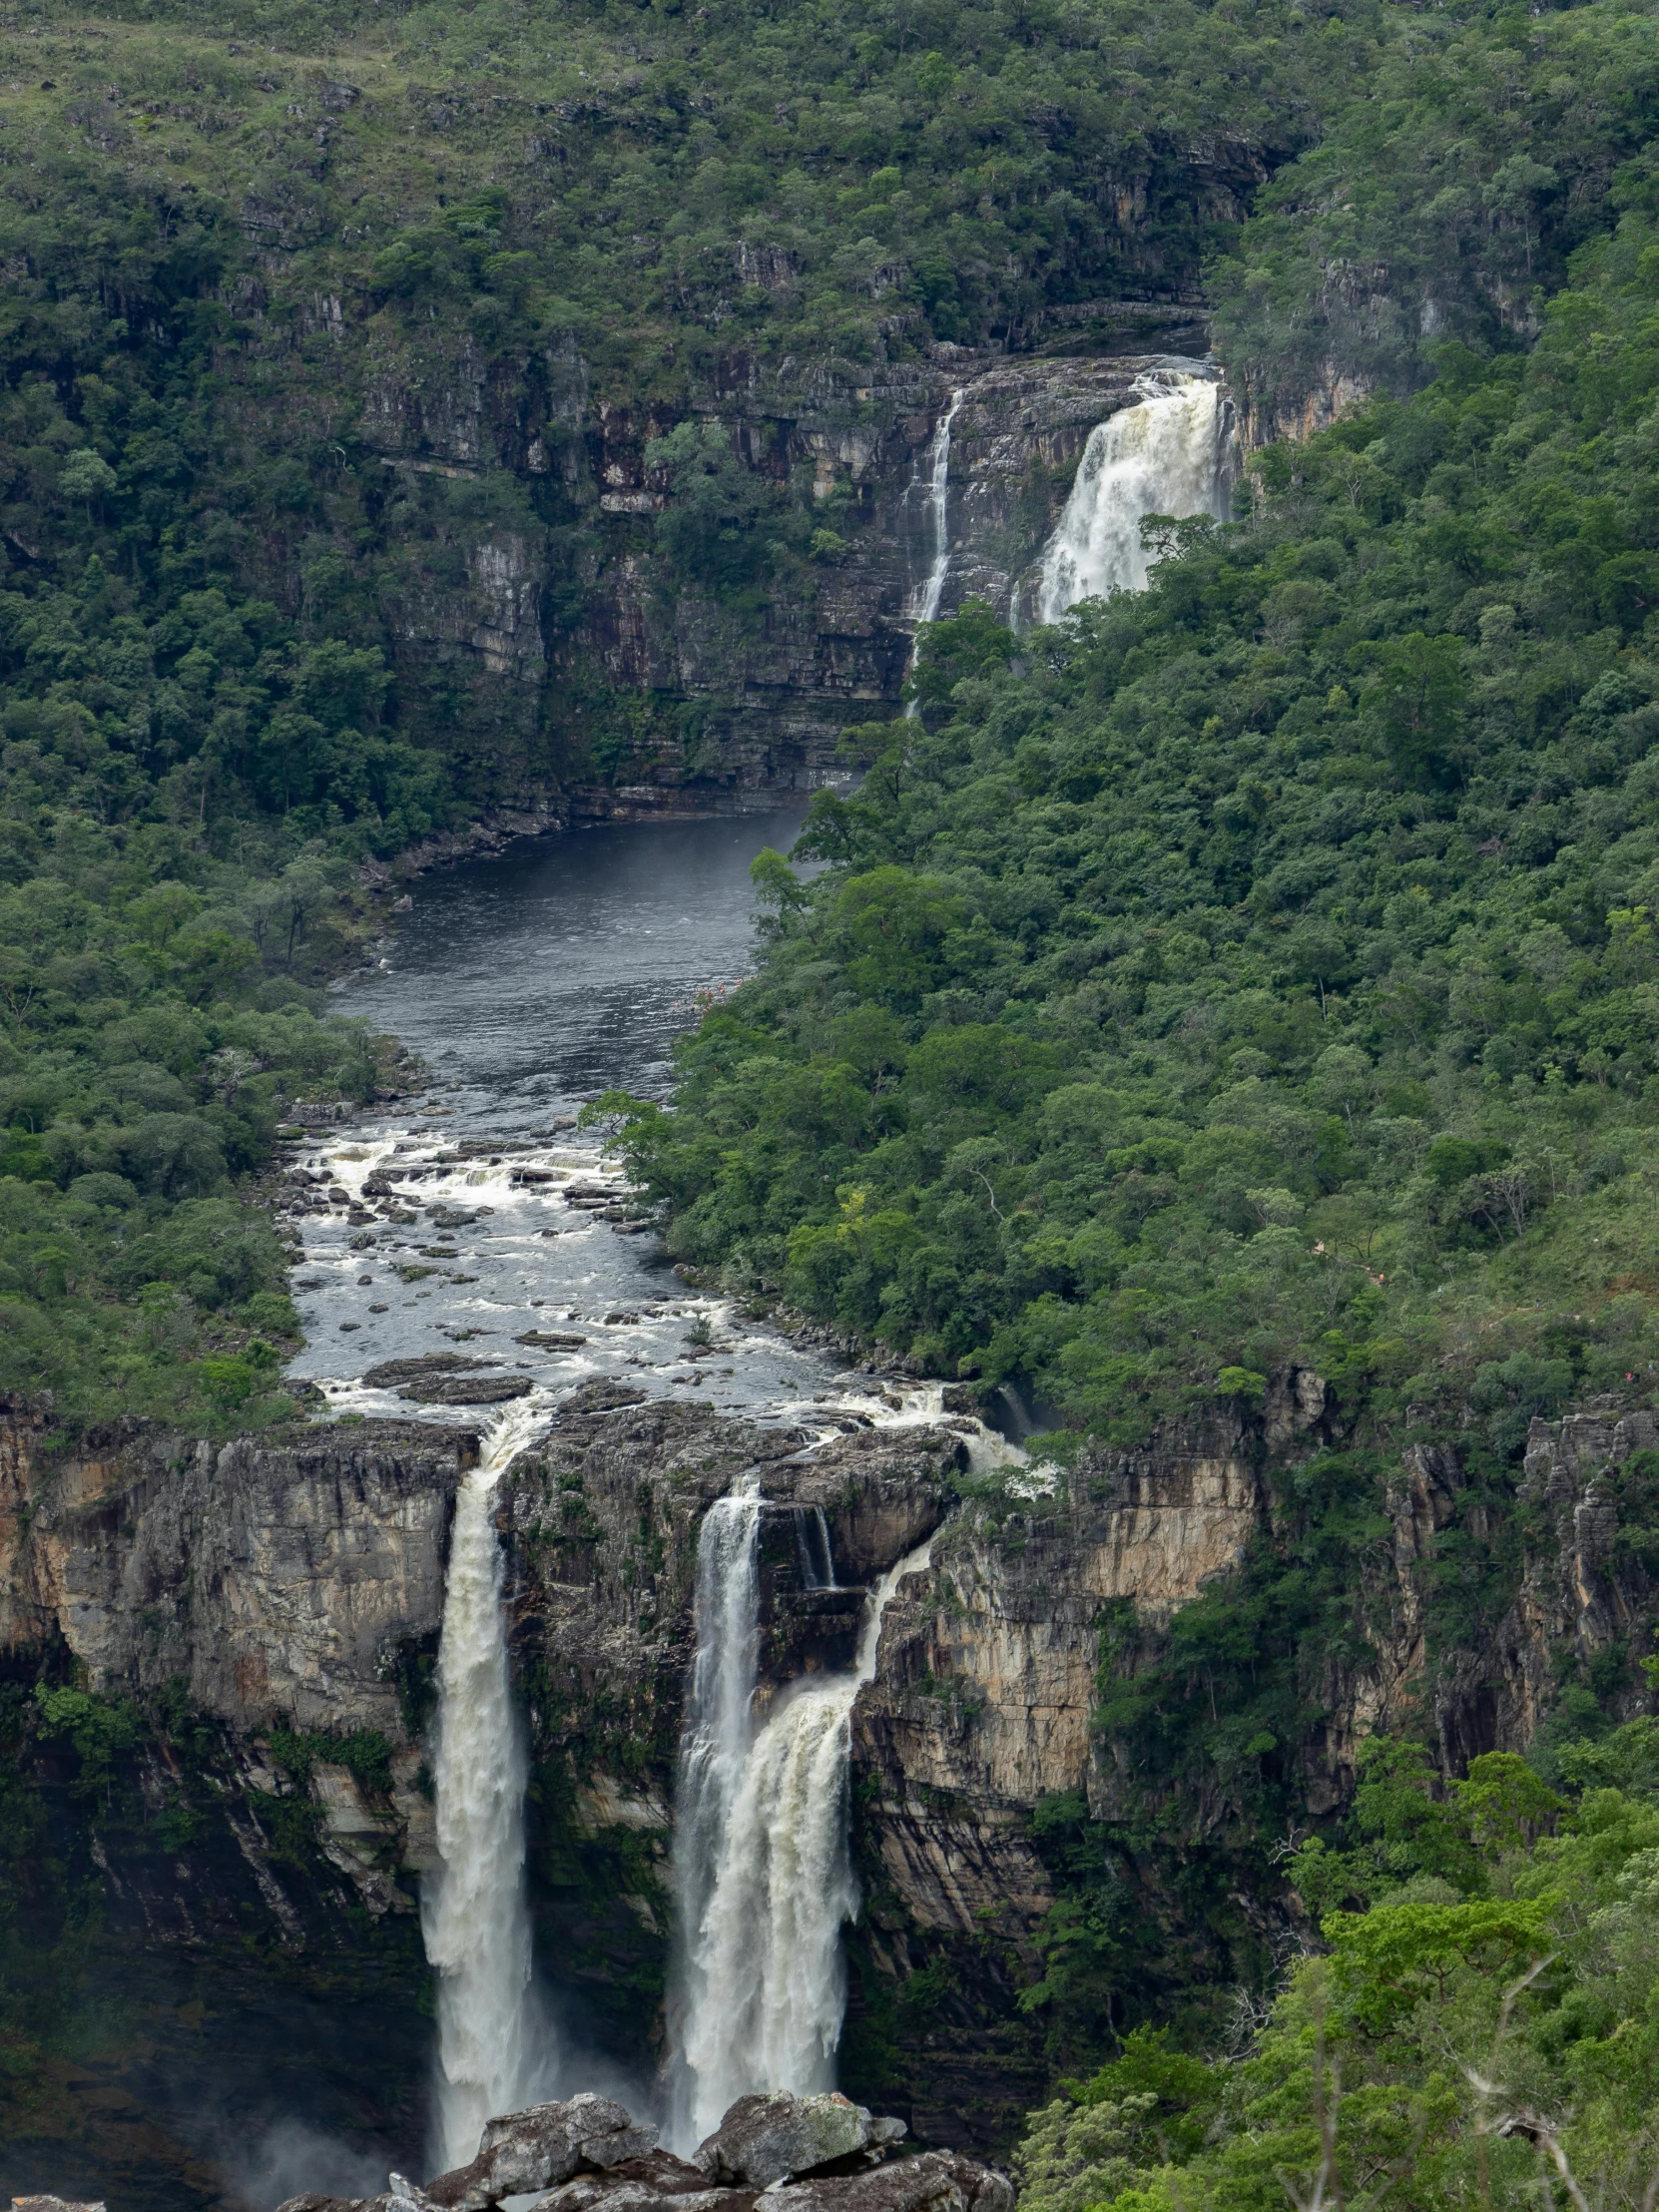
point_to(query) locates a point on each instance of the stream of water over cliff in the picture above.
(765, 1880)
(496, 2049)
(1168, 455)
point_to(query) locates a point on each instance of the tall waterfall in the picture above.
(763, 1878)
(937, 497)
(495, 2051)
(1167, 455)
(939, 521)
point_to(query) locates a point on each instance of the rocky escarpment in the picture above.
(231, 1784)
(240, 1645)
(602, 1522)
(776, 691)
(528, 597)
(996, 1663)
(253, 1633)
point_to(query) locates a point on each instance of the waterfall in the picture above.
(939, 524)
(495, 2053)
(812, 1543)
(767, 1879)
(1167, 455)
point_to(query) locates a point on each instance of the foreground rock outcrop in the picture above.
(807, 2155)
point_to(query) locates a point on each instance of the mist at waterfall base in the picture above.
(1167, 455)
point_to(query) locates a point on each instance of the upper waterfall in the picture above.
(1167, 455)
(937, 497)
(937, 510)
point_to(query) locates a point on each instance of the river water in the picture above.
(529, 984)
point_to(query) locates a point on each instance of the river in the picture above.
(529, 984)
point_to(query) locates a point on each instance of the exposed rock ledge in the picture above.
(805, 2154)
(287, 1581)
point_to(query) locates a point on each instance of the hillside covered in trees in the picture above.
(1256, 974)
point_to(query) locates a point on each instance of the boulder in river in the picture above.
(602, 1396)
(550, 1340)
(469, 1390)
(391, 1372)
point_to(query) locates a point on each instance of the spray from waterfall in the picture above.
(939, 523)
(764, 1873)
(1167, 455)
(495, 2052)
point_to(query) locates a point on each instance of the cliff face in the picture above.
(274, 1579)
(527, 598)
(775, 690)
(269, 1615)
(250, 1623)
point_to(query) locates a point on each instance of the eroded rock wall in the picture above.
(292, 1587)
(512, 513)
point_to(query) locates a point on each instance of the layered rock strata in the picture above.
(273, 1608)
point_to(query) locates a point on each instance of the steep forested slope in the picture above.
(1482, 2032)
(1259, 969)
(1253, 977)
(215, 231)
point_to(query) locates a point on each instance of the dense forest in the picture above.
(1258, 973)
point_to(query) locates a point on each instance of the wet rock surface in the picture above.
(587, 2152)
(764, 2140)
(469, 1390)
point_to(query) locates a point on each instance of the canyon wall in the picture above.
(536, 621)
(265, 1617)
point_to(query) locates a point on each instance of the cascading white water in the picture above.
(494, 2050)
(1167, 455)
(714, 1747)
(765, 1882)
(938, 520)
(938, 498)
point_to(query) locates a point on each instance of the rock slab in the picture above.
(810, 2154)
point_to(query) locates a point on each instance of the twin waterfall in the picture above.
(763, 1878)
(1168, 455)
(761, 1874)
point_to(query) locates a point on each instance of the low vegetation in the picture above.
(1473, 2025)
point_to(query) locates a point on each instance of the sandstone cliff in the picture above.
(267, 1617)
(524, 590)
